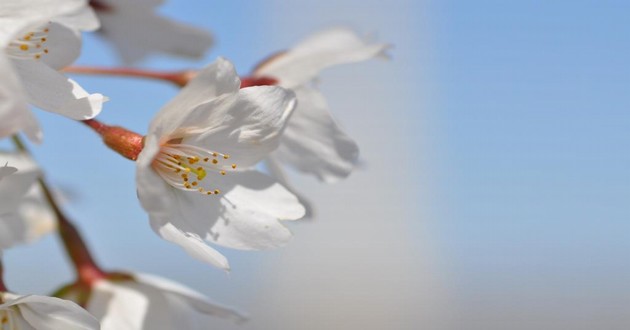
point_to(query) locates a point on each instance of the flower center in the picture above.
(30, 45)
(186, 167)
(7, 321)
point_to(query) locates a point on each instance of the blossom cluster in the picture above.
(210, 169)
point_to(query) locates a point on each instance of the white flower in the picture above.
(30, 221)
(136, 31)
(7, 170)
(14, 186)
(38, 37)
(313, 143)
(15, 115)
(23, 216)
(42, 313)
(195, 176)
(148, 302)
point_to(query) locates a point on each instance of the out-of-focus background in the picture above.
(492, 193)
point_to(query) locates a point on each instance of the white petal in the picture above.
(154, 193)
(14, 112)
(246, 125)
(136, 31)
(84, 19)
(191, 243)
(158, 199)
(191, 298)
(45, 313)
(260, 193)
(13, 231)
(17, 14)
(6, 171)
(13, 187)
(153, 303)
(215, 79)
(324, 49)
(51, 91)
(276, 172)
(63, 44)
(119, 307)
(30, 221)
(245, 216)
(313, 143)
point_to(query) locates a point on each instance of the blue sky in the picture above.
(533, 192)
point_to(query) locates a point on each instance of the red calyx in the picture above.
(99, 6)
(258, 81)
(125, 142)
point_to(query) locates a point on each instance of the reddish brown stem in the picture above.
(87, 269)
(179, 78)
(3, 287)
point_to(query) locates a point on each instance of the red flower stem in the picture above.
(87, 269)
(3, 287)
(179, 78)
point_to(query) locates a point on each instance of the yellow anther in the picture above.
(214, 161)
(214, 154)
(44, 39)
(206, 159)
(226, 156)
(200, 189)
(37, 57)
(23, 47)
(222, 172)
(45, 50)
(234, 166)
(208, 192)
(217, 191)
(191, 160)
(194, 183)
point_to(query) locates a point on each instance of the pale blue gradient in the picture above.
(497, 139)
(535, 185)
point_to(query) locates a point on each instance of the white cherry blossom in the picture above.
(37, 38)
(29, 221)
(313, 142)
(23, 216)
(195, 174)
(7, 170)
(136, 30)
(32, 312)
(148, 302)
(20, 172)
